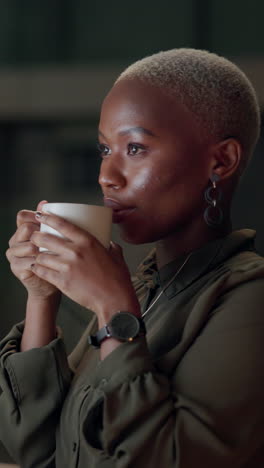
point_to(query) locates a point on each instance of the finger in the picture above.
(116, 252)
(46, 274)
(25, 216)
(116, 248)
(24, 249)
(49, 260)
(21, 267)
(50, 242)
(40, 205)
(23, 233)
(66, 228)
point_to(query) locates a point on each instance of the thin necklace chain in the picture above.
(167, 285)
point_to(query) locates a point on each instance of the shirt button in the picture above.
(74, 446)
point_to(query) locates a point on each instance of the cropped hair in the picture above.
(214, 89)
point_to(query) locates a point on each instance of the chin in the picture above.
(137, 237)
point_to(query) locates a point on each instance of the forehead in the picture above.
(134, 103)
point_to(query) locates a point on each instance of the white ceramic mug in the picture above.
(95, 219)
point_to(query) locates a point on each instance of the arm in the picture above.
(137, 412)
(206, 411)
(34, 384)
(43, 297)
(40, 322)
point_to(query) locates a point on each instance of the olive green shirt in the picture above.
(190, 395)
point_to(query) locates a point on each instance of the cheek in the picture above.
(165, 183)
(152, 184)
(142, 180)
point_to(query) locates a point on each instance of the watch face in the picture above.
(124, 326)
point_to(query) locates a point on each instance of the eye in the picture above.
(135, 148)
(103, 150)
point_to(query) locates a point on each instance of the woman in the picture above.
(179, 382)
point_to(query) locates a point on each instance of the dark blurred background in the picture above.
(58, 58)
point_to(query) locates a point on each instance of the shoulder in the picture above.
(248, 260)
(246, 273)
(241, 303)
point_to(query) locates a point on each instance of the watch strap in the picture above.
(101, 335)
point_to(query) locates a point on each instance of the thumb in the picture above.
(40, 204)
(117, 252)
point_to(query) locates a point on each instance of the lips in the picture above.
(120, 212)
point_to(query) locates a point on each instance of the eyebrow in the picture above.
(141, 130)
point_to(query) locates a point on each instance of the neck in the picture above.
(186, 240)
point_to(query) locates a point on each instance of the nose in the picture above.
(111, 174)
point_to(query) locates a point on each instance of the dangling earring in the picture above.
(213, 214)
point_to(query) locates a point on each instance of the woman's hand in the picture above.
(22, 253)
(83, 269)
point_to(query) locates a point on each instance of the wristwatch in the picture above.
(123, 326)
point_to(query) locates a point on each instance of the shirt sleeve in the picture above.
(34, 384)
(204, 410)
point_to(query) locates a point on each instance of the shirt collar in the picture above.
(201, 261)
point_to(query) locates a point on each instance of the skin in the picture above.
(165, 180)
(161, 172)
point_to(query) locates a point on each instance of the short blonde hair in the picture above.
(214, 89)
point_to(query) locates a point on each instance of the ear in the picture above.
(226, 158)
